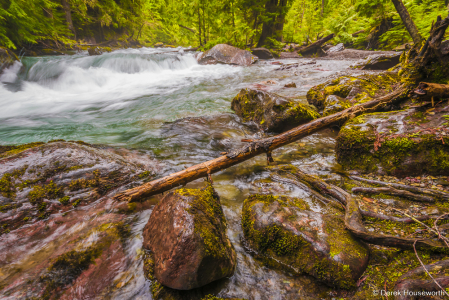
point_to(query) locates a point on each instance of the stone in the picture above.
(62, 229)
(338, 48)
(356, 89)
(334, 104)
(7, 58)
(291, 236)
(271, 112)
(382, 62)
(186, 235)
(94, 51)
(399, 143)
(225, 54)
(290, 85)
(159, 45)
(262, 53)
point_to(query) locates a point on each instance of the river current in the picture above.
(161, 100)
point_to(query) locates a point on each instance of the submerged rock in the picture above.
(355, 89)
(401, 143)
(225, 54)
(262, 53)
(286, 232)
(271, 112)
(186, 235)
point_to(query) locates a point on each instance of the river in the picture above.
(164, 102)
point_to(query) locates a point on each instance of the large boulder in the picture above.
(59, 226)
(401, 143)
(353, 89)
(270, 111)
(225, 54)
(286, 232)
(186, 235)
(338, 48)
(7, 58)
(382, 62)
(262, 53)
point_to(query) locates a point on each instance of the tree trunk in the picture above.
(274, 27)
(255, 148)
(199, 25)
(322, 8)
(313, 48)
(68, 16)
(407, 20)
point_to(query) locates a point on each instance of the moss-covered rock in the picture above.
(355, 89)
(7, 58)
(287, 232)
(187, 235)
(400, 143)
(271, 112)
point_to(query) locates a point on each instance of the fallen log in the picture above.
(257, 147)
(313, 48)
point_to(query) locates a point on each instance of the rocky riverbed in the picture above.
(257, 232)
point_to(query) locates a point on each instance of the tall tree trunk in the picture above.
(407, 20)
(322, 8)
(274, 27)
(68, 16)
(199, 25)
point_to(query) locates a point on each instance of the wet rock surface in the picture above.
(225, 54)
(7, 58)
(337, 48)
(382, 62)
(401, 143)
(262, 53)
(352, 89)
(186, 235)
(291, 236)
(62, 234)
(271, 112)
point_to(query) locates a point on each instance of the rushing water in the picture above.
(165, 102)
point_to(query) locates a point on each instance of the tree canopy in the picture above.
(242, 23)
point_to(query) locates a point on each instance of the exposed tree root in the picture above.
(354, 222)
(439, 195)
(392, 191)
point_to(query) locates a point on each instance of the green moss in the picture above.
(64, 200)
(210, 222)
(7, 186)
(76, 202)
(49, 191)
(6, 151)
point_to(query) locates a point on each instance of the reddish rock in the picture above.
(186, 234)
(225, 54)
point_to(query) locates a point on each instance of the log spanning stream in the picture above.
(179, 112)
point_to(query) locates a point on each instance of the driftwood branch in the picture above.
(392, 191)
(429, 90)
(256, 148)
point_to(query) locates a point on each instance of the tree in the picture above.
(273, 20)
(407, 20)
(68, 16)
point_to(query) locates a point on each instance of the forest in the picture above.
(362, 24)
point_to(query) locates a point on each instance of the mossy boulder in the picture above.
(7, 58)
(226, 54)
(262, 53)
(354, 89)
(287, 232)
(271, 112)
(334, 104)
(400, 143)
(186, 234)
